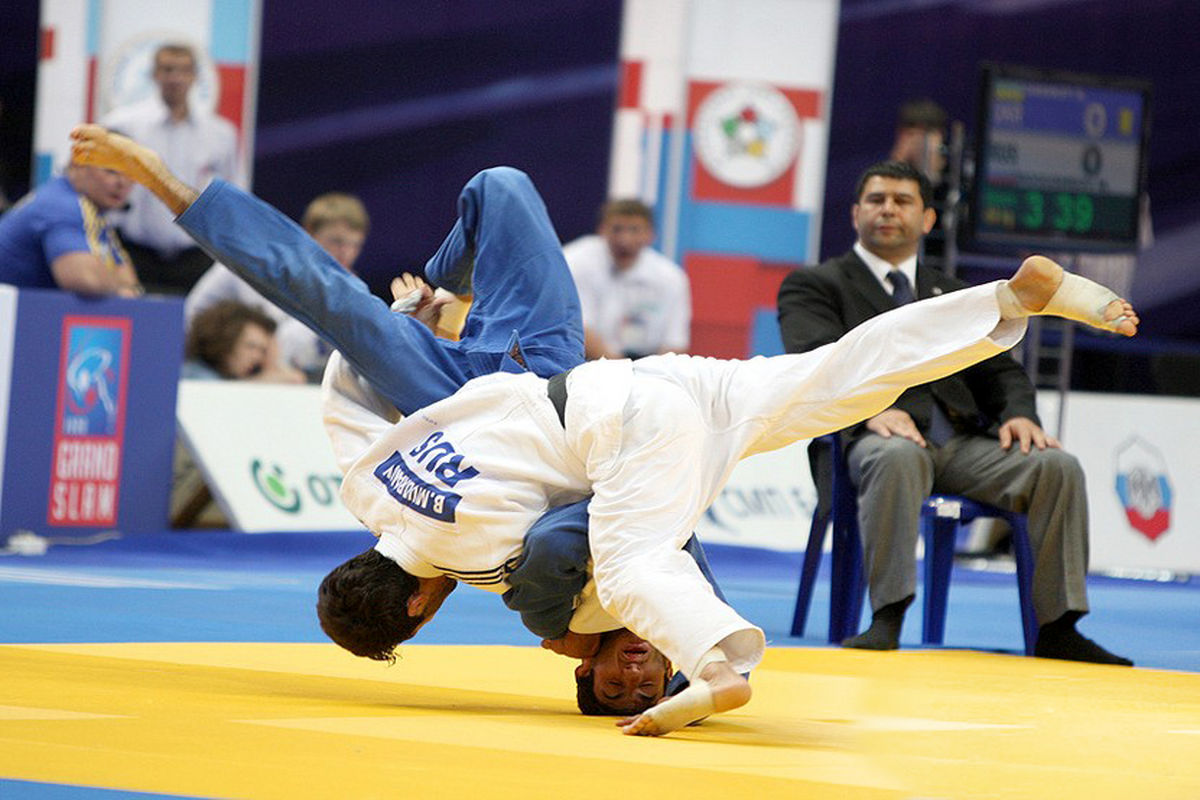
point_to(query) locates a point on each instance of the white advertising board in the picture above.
(1139, 454)
(768, 502)
(8, 318)
(264, 454)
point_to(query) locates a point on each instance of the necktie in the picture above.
(902, 292)
(940, 427)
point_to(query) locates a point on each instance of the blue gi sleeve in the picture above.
(552, 572)
(276, 257)
(554, 569)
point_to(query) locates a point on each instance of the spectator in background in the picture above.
(59, 236)
(636, 302)
(974, 433)
(234, 341)
(339, 223)
(197, 145)
(921, 138)
(921, 141)
(227, 341)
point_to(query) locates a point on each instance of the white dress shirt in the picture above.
(880, 267)
(644, 309)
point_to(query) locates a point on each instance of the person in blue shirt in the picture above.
(58, 236)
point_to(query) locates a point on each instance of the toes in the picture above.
(1121, 316)
(1116, 309)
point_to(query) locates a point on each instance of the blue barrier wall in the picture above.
(91, 422)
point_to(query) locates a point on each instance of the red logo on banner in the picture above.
(746, 139)
(89, 421)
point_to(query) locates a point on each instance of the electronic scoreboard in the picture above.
(1060, 161)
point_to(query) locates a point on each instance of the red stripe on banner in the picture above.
(726, 291)
(778, 192)
(232, 80)
(807, 102)
(46, 44)
(697, 91)
(629, 93)
(90, 114)
(1151, 527)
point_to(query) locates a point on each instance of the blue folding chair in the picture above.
(941, 517)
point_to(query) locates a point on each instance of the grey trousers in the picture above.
(894, 476)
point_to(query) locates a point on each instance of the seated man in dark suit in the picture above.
(975, 433)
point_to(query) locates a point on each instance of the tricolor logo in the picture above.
(89, 426)
(1144, 488)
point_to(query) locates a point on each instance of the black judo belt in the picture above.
(556, 388)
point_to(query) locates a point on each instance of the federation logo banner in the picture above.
(89, 429)
(1144, 488)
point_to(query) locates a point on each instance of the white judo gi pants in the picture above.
(689, 420)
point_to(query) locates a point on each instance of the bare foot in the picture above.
(1043, 287)
(717, 689)
(100, 147)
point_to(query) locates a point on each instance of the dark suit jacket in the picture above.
(819, 304)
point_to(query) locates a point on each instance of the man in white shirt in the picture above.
(197, 145)
(636, 302)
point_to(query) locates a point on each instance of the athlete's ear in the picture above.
(418, 601)
(584, 668)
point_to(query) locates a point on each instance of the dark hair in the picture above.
(363, 606)
(215, 331)
(591, 705)
(175, 49)
(626, 207)
(899, 170)
(921, 113)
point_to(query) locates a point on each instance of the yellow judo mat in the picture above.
(307, 720)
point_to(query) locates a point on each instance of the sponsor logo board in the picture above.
(89, 421)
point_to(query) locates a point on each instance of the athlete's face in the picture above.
(628, 673)
(341, 241)
(891, 218)
(249, 354)
(626, 235)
